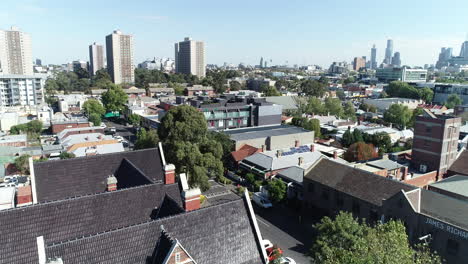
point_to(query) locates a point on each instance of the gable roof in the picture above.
(460, 165)
(245, 151)
(355, 182)
(218, 234)
(76, 217)
(60, 179)
(444, 208)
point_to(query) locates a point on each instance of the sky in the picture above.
(303, 32)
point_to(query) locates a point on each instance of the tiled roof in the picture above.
(67, 219)
(244, 152)
(444, 208)
(217, 234)
(60, 179)
(358, 183)
(460, 166)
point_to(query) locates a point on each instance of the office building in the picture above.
(96, 58)
(38, 62)
(359, 63)
(396, 60)
(373, 61)
(190, 57)
(79, 64)
(464, 50)
(388, 52)
(21, 90)
(15, 52)
(435, 143)
(444, 57)
(463, 58)
(119, 51)
(401, 74)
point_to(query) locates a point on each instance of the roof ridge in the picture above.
(138, 169)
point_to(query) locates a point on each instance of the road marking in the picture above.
(262, 222)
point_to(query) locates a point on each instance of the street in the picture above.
(123, 131)
(281, 226)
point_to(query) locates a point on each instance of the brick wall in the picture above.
(423, 180)
(57, 128)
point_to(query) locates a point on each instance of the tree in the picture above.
(146, 139)
(315, 106)
(398, 114)
(282, 84)
(348, 111)
(381, 140)
(349, 80)
(348, 138)
(277, 190)
(453, 100)
(95, 119)
(93, 106)
(341, 95)
(235, 86)
(357, 136)
(114, 98)
(360, 151)
(313, 88)
(271, 91)
(315, 126)
(368, 108)
(67, 155)
(426, 94)
(345, 240)
(34, 126)
(333, 106)
(184, 131)
(51, 86)
(134, 119)
(416, 112)
(22, 164)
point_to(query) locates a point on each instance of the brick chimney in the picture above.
(24, 196)
(191, 199)
(169, 174)
(297, 143)
(335, 154)
(404, 173)
(279, 153)
(263, 148)
(111, 183)
(312, 148)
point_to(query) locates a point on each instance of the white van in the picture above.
(261, 200)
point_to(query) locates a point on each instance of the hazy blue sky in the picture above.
(302, 32)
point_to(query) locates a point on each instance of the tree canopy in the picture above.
(360, 151)
(346, 240)
(277, 190)
(398, 114)
(95, 119)
(313, 88)
(22, 164)
(114, 98)
(146, 139)
(453, 100)
(93, 106)
(403, 89)
(34, 126)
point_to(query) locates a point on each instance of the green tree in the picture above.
(277, 190)
(146, 139)
(349, 112)
(357, 136)
(34, 126)
(341, 95)
(348, 138)
(95, 119)
(313, 88)
(453, 100)
(381, 140)
(93, 106)
(235, 86)
(398, 114)
(22, 164)
(315, 126)
(349, 80)
(360, 151)
(67, 155)
(368, 108)
(51, 86)
(315, 106)
(333, 107)
(134, 119)
(271, 91)
(114, 98)
(346, 240)
(426, 94)
(416, 112)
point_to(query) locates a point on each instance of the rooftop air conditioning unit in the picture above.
(423, 168)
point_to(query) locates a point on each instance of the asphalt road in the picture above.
(123, 131)
(281, 226)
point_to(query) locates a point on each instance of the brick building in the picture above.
(59, 126)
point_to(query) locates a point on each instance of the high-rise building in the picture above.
(464, 50)
(190, 57)
(38, 62)
(358, 63)
(119, 50)
(396, 60)
(444, 57)
(15, 52)
(388, 52)
(373, 62)
(261, 62)
(96, 58)
(18, 89)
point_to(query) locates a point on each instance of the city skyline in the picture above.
(232, 37)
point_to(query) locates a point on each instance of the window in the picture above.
(452, 247)
(311, 187)
(426, 143)
(428, 129)
(177, 257)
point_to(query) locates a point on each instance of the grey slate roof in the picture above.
(288, 102)
(221, 234)
(263, 132)
(67, 219)
(457, 184)
(60, 179)
(294, 174)
(385, 164)
(460, 166)
(358, 183)
(444, 208)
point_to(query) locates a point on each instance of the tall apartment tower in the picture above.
(435, 142)
(388, 52)
(359, 63)
(190, 57)
(15, 52)
(119, 50)
(396, 60)
(96, 58)
(373, 62)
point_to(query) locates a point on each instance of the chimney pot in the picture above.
(111, 183)
(335, 154)
(169, 174)
(263, 148)
(312, 148)
(297, 143)
(191, 199)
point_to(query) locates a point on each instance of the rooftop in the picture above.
(457, 184)
(263, 132)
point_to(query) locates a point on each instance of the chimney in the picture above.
(263, 148)
(279, 153)
(191, 199)
(111, 183)
(301, 161)
(404, 173)
(296, 143)
(169, 174)
(24, 196)
(335, 154)
(312, 147)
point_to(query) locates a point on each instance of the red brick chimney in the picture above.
(335, 154)
(169, 174)
(404, 173)
(297, 143)
(191, 199)
(24, 196)
(312, 148)
(111, 183)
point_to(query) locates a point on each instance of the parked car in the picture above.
(261, 200)
(285, 260)
(267, 243)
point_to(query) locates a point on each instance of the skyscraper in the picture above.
(373, 63)
(444, 56)
(190, 57)
(388, 52)
(15, 52)
(96, 58)
(359, 63)
(396, 60)
(119, 49)
(464, 50)
(261, 62)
